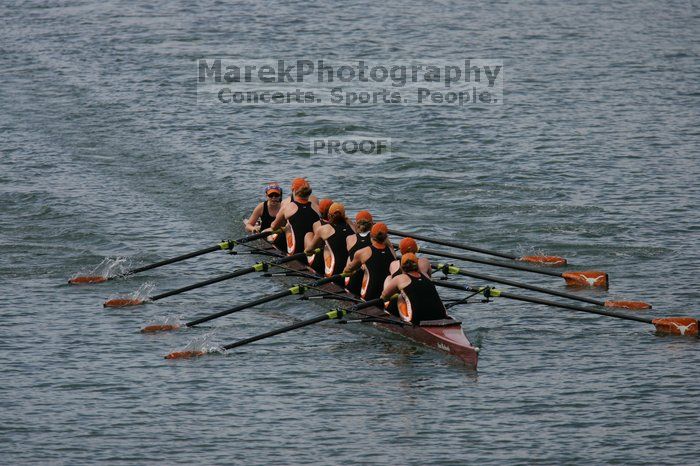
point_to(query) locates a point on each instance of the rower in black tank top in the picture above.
(376, 271)
(299, 225)
(265, 222)
(354, 283)
(420, 301)
(336, 251)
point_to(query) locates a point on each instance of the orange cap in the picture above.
(336, 208)
(324, 205)
(363, 216)
(299, 183)
(408, 245)
(408, 257)
(379, 229)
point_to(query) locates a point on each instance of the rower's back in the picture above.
(419, 300)
(299, 224)
(376, 269)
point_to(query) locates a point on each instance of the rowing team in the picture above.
(348, 246)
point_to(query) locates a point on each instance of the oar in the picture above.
(579, 278)
(333, 314)
(671, 325)
(299, 289)
(544, 260)
(258, 267)
(224, 245)
(451, 269)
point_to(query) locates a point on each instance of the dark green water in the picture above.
(105, 152)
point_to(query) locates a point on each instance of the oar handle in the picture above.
(452, 244)
(479, 260)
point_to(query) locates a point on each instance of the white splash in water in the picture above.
(142, 293)
(203, 343)
(109, 267)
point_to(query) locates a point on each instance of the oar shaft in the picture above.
(272, 333)
(257, 302)
(223, 245)
(479, 260)
(545, 302)
(211, 281)
(228, 276)
(453, 244)
(491, 278)
(173, 260)
(298, 289)
(336, 314)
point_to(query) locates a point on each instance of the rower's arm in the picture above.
(251, 225)
(357, 261)
(391, 287)
(315, 241)
(350, 241)
(391, 247)
(280, 220)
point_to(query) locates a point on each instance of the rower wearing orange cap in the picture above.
(333, 234)
(406, 246)
(361, 239)
(296, 182)
(323, 207)
(299, 215)
(375, 260)
(264, 214)
(418, 297)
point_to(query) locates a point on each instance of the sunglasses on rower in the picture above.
(273, 195)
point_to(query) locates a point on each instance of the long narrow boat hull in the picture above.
(446, 336)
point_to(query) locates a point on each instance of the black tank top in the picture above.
(299, 225)
(376, 271)
(266, 220)
(423, 300)
(354, 283)
(336, 251)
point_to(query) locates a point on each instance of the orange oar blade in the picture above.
(87, 279)
(634, 305)
(159, 328)
(584, 278)
(545, 260)
(184, 354)
(122, 302)
(677, 325)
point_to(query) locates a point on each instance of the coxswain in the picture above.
(361, 239)
(333, 234)
(418, 299)
(264, 214)
(374, 260)
(298, 215)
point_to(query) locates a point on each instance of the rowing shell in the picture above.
(445, 335)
